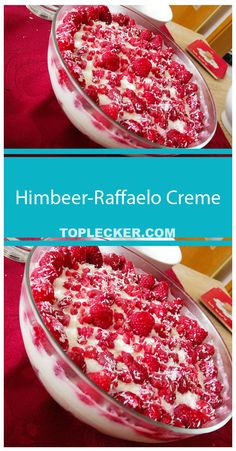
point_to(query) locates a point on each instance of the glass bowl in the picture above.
(74, 391)
(87, 117)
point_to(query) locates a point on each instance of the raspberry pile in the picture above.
(132, 75)
(128, 334)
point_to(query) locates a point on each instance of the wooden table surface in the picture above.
(219, 88)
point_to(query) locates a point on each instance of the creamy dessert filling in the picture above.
(127, 332)
(131, 75)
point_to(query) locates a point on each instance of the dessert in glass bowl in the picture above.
(121, 347)
(124, 83)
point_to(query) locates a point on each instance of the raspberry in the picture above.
(208, 368)
(146, 34)
(121, 19)
(93, 13)
(152, 363)
(129, 399)
(65, 42)
(153, 136)
(92, 92)
(94, 256)
(45, 308)
(161, 291)
(205, 351)
(142, 323)
(111, 109)
(178, 139)
(184, 416)
(110, 61)
(191, 330)
(141, 67)
(47, 272)
(64, 302)
(42, 291)
(157, 42)
(57, 330)
(77, 355)
(190, 88)
(104, 14)
(138, 372)
(146, 281)
(132, 126)
(113, 260)
(101, 315)
(63, 318)
(52, 258)
(102, 379)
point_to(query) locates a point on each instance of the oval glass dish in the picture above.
(76, 393)
(89, 118)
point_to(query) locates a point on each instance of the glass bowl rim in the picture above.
(149, 144)
(79, 373)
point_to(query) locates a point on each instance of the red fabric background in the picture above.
(33, 118)
(32, 417)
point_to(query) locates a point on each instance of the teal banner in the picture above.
(117, 197)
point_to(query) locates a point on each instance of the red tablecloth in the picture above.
(33, 118)
(32, 417)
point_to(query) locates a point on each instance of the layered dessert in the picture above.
(128, 334)
(130, 73)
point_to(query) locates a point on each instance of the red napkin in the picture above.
(32, 417)
(33, 117)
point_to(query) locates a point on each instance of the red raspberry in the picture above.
(93, 13)
(42, 291)
(45, 308)
(94, 256)
(129, 399)
(142, 323)
(92, 92)
(146, 34)
(63, 318)
(178, 139)
(104, 14)
(111, 109)
(113, 260)
(57, 330)
(152, 363)
(77, 355)
(157, 42)
(146, 280)
(161, 291)
(205, 351)
(132, 126)
(101, 315)
(152, 135)
(110, 61)
(184, 416)
(96, 295)
(174, 306)
(149, 97)
(141, 67)
(48, 272)
(138, 372)
(52, 258)
(121, 19)
(102, 379)
(64, 302)
(214, 386)
(65, 42)
(78, 253)
(191, 330)
(190, 88)
(208, 368)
